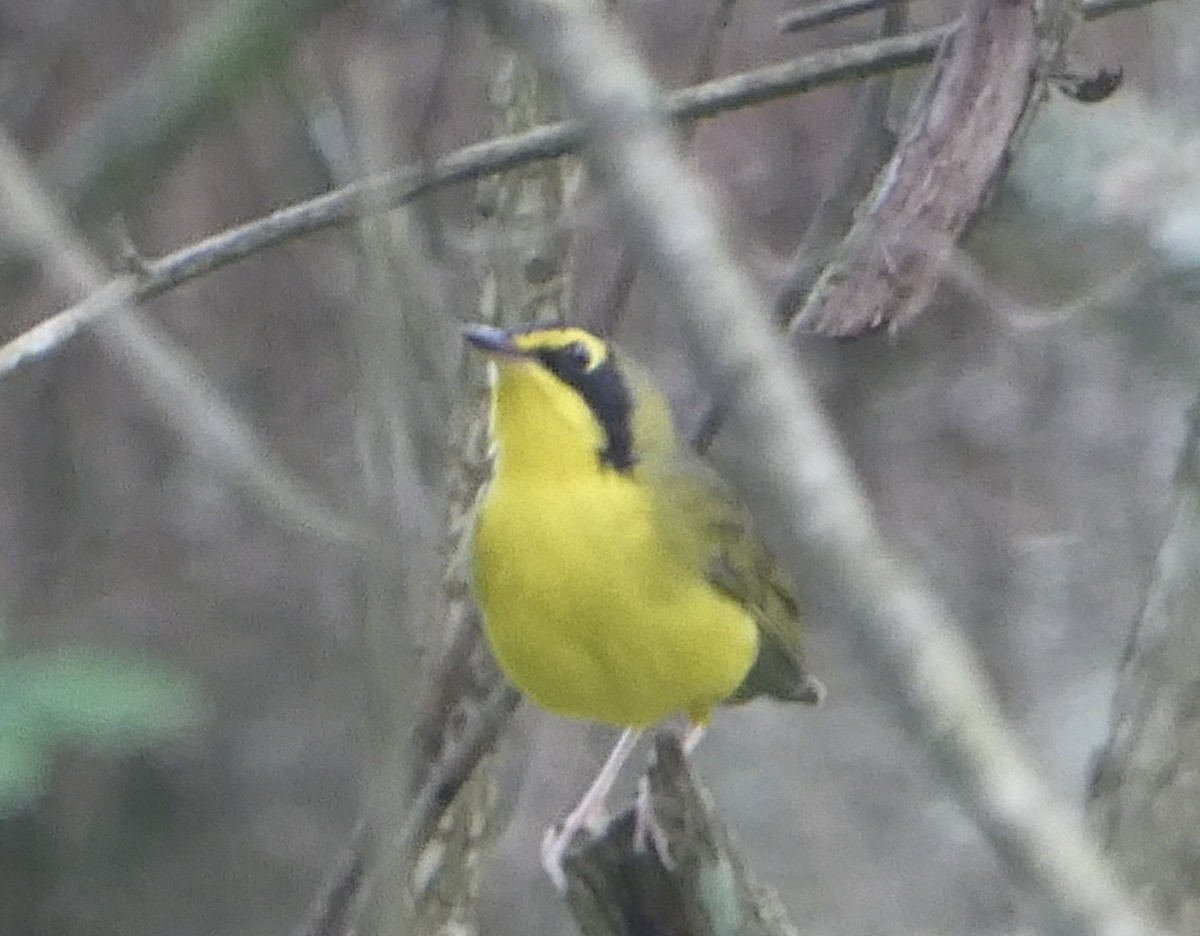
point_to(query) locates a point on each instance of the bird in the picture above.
(619, 577)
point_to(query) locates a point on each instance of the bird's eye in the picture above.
(576, 356)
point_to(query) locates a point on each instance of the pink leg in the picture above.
(591, 812)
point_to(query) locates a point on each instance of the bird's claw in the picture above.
(558, 839)
(554, 847)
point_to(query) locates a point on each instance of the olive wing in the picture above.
(711, 530)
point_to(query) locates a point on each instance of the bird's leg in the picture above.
(591, 812)
(647, 832)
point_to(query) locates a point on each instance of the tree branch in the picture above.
(618, 887)
(820, 12)
(867, 147)
(392, 189)
(957, 140)
(916, 648)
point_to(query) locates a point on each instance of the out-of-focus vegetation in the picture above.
(105, 700)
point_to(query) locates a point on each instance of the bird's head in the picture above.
(561, 398)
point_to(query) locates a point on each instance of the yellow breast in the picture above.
(594, 606)
(588, 611)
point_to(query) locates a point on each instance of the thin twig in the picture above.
(820, 12)
(392, 189)
(916, 648)
(389, 190)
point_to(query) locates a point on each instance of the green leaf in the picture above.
(102, 697)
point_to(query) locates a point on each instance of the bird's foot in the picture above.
(554, 846)
(591, 814)
(558, 839)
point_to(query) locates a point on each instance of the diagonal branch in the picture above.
(398, 187)
(916, 648)
(813, 13)
(389, 190)
(959, 137)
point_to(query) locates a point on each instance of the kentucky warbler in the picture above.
(619, 577)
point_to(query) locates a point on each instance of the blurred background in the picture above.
(222, 516)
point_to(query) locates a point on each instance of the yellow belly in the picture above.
(589, 613)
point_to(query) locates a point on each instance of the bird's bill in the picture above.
(492, 341)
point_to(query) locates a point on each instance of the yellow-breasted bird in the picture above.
(619, 577)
